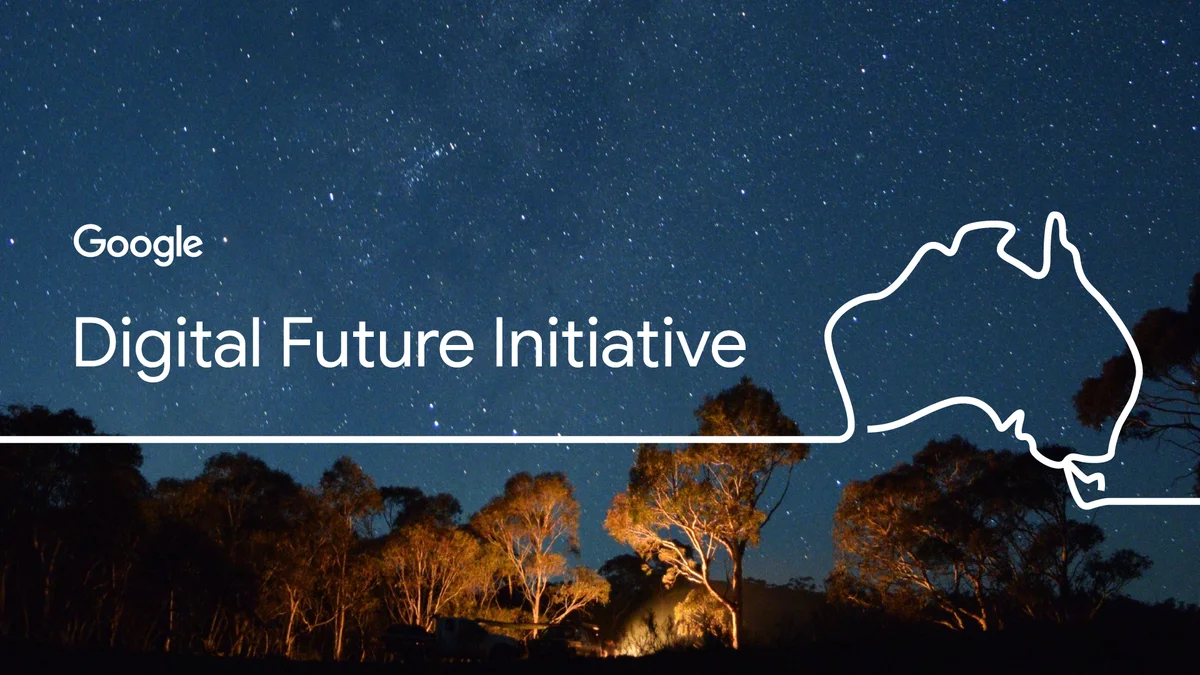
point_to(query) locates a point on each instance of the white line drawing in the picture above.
(1069, 465)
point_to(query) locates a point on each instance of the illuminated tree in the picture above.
(1168, 406)
(534, 524)
(689, 508)
(700, 617)
(427, 562)
(580, 587)
(425, 568)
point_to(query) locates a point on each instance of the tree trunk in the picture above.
(339, 624)
(339, 629)
(735, 598)
(1064, 580)
(289, 641)
(170, 620)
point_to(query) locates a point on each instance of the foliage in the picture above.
(428, 563)
(963, 537)
(534, 525)
(352, 502)
(70, 524)
(403, 505)
(699, 617)
(633, 582)
(238, 560)
(243, 560)
(1168, 406)
(579, 588)
(690, 507)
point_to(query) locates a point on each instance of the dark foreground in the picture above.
(1090, 651)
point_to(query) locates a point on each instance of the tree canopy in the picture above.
(965, 537)
(243, 560)
(534, 525)
(69, 524)
(690, 507)
(1168, 406)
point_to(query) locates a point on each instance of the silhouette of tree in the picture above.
(1058, 571)
(70, 526)
(182, 573)
(534, 524)
(248, 513)
(403, 505)
(1168, 407)
(685, 507)
(961, 535)
(293, 584)
(632, 581)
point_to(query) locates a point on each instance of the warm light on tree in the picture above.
(692, 507)
(426, 567)
(534, 525)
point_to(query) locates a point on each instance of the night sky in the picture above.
(750, 167)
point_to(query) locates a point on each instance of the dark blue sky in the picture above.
(732, 165)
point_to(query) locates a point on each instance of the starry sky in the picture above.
(741, 166)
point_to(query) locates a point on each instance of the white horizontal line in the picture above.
(413, 440)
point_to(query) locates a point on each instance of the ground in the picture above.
(1090, 651)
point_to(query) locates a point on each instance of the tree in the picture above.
(1059, 573)
(426, 567)
(291, 587)
(351, 498)
(535, 524)
(961, 536)
(427, 562)
(403, 505)
(580, 587)
(1168, 406)
(70, 528)
(234, 538)
(699, 617)
(690, 506)
(913, 540)
(632, 582)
